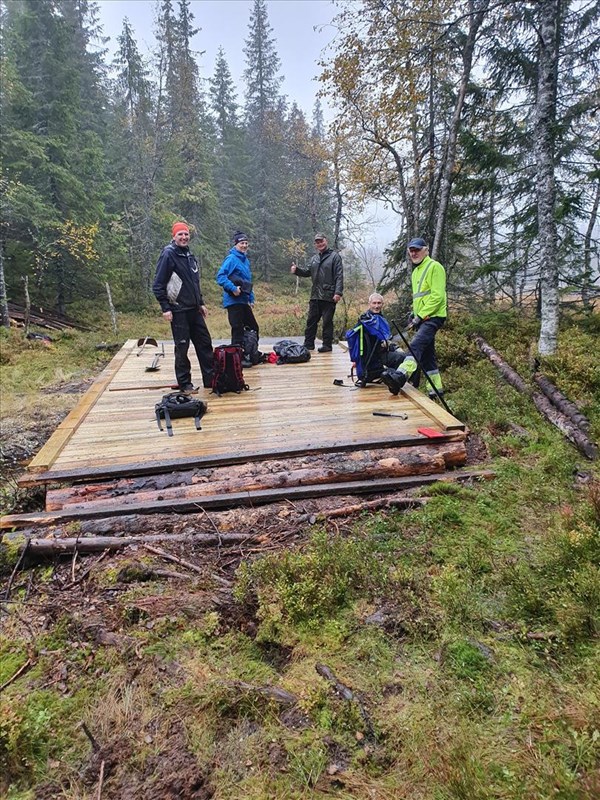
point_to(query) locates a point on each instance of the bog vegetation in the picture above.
(450, 652)
(466, 632)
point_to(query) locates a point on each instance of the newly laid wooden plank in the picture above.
(243, 498)
(48, 454)
(290, 409)
(437, 413)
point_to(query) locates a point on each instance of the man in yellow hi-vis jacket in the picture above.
(429, 309)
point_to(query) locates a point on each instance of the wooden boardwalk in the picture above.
(289, 409)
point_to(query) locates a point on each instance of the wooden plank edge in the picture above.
(244, 498)
(155, 467)
(49, 452)
(445, 420)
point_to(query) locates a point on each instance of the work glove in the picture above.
(415, 322)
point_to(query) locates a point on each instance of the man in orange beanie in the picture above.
(177, 288)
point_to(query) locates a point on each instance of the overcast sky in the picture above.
(301, 29)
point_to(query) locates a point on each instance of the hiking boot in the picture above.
(246, 364)
(189, 388)
(309, 346)
(393, 380)
(325, 349)
(434, 396)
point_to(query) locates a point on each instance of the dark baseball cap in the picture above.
(319, 237)
(417, 243)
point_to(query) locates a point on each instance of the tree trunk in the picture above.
(475, 21)
(545, 121)
(27, 314)
(543, 405)
(562, 403)
(4, 315)
(111, 308)
(587, 251)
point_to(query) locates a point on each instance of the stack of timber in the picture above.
(51, 320)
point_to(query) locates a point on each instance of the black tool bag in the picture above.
(251, 352)
(177, 405)
(290, 352)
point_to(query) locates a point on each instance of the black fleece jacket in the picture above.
(177, 280)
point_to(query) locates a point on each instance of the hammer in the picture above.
(388, 414)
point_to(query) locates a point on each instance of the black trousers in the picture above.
(241, 316)
(316, 310)
(189, 326)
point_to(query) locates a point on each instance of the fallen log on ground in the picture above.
(370, 505)
(543, 405)
(240, 520)
(563, 404)
(235, 499)
(44, 548)
(44, 319)
(361, 465)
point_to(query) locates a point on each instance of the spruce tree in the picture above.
(264, 128)
(53, 153)
(232, 162)
(187, 182)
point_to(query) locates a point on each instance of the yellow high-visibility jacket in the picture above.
(429, 289)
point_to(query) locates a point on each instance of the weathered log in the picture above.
(235, 499)
(563, 404)
(390, 462)
(543, 405)
(114, 471)
(43, 548)
(245, 521)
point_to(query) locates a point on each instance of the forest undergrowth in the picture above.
(446, 652)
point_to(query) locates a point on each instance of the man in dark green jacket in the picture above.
(327, 273)
(429, 309)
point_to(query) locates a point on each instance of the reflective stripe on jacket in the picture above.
(429, 289)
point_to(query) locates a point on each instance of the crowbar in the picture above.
(141, 343)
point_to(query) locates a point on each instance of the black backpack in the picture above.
(290, 352)
(251, 352)
(177, 405)
(228, 375)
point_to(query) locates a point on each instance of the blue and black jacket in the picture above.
(235, 272)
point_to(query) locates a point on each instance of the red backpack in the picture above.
(228, 375)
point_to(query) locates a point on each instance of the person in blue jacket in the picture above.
(235, 278)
